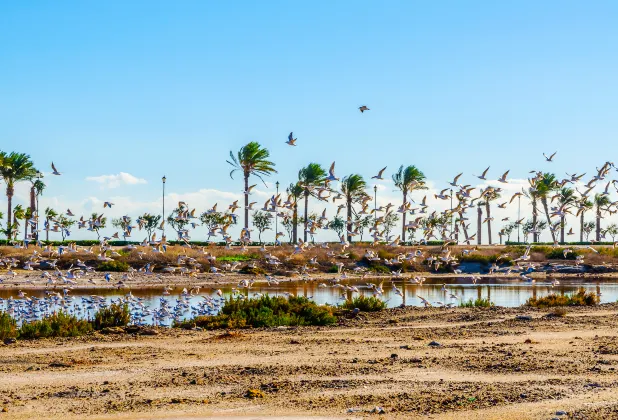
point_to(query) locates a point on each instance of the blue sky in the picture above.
(152, 87)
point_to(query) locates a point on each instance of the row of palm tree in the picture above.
(14, 168)
(252, 159)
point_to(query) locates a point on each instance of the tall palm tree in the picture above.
(532, 194)
(601, 202)
(407, 180)
(49, 215)
(479, 222)
(19, 213)
(584, 206)
(309, 177)
(295, 191)
(566, 198)
(490, 196)
(38, 187)
(251, 159)
(14, 167)
(544, 187)
(353, 190)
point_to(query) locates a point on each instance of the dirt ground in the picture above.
(488, 364)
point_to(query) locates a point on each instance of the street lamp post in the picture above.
(39, 176)
(163, 216)
(451, 213)
(375, 205)
(276, 214)
(518, 216)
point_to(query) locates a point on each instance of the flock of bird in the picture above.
(45, 259)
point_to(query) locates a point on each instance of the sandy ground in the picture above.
(489, 365)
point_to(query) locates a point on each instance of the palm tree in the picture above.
(38, 187)
(295, 191)
(479, 222)
(490, 196)
(353, 190)
(309, 177)
(407, 180)
(584, 206)
(533, 195)
(49, 215)
(566, 197)
(601, 202)
(19, 213)
(14, 167)
(544, 187)
(251, 159)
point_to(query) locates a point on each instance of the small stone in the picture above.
(561, 413)
(434, 344)
(10, 340)
(394, 356)
(406, 347)
(523, 395)
(523, 318)
(254, 393)
(5, 409)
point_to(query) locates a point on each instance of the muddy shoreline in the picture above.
(498, 363)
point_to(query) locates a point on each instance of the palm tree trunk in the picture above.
(488, 210)
(403, 218)
(9, 225)
(479, 223)
(598, 224)
(553, 235)
(465, 229)
(562, 221)
(306, 215)
(349, 221)
(47, 231)
(535, 235)
(246, 201)
(295, 223)
(581, 227)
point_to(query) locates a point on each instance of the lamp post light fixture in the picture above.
(276, 214)
(39, 176)
(163, 215)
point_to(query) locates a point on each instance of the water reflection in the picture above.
(153, 306)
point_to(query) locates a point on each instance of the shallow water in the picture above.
(507, 293)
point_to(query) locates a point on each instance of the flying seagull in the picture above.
(549, 159)
(291, 140)
(363, 108)
(55, 171)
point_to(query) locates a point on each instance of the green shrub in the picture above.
(333, 269)
(56, 325)
(580, 298)
(365, 304)
(477, 303)
(256, 271)
(117, 266)
(8, 326)
(558, 254)
(238, 257)
(115, 315)
(265, 312)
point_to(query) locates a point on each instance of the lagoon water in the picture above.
(507, 293)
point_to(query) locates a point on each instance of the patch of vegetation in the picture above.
(558, 254)
(364, 303)
(56, 325)
(238, 257)
(266, 311)
(256, 271)
(581, 298)
(115, 266)
(477, 303)
(8, 326)
(559, 312)
(115, 315)
(333, 269)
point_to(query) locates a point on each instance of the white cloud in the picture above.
(114, 181)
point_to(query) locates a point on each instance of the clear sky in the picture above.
(149, 88)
